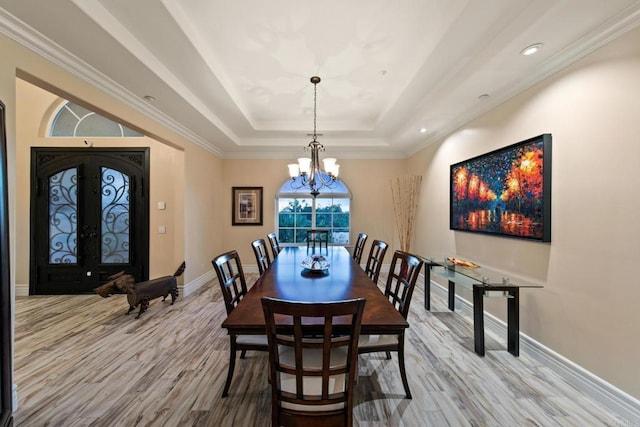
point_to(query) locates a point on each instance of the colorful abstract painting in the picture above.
(506, 192)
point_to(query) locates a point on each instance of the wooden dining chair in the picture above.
(374, 262)
(262, 255)
(317, 237)
(401, 281)
(312, 369)
(234, 287)
(275, 245)
(359, 248)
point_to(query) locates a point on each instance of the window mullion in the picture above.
(313, 213)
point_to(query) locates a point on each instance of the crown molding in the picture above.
(33, 40)
(619, 24)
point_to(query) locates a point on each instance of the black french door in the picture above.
(89, 217)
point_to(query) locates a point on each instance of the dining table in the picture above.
(342, 279)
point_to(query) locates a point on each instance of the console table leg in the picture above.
(478, 319)
(452, 296)
(427, 286)
(513, 322)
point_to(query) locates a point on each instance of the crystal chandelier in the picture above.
(307, 172)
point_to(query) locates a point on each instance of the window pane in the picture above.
(115, 217)
(95, 125)
(286, 220)
(341, 205)
(341, 220)
(64, 124)
(303, 205)
(285, 235)
(323, 220)
(303, 220)
(324, 204)
(77, 109)
(63, 217)
(301, 236)
(340, 237)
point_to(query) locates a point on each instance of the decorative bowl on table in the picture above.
(315, 264)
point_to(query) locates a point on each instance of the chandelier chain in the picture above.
(307, 173)
(315, 97)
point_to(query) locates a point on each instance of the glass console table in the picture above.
(483, 282)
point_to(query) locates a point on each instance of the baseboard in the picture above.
(195, 284)
(251, 268)
(22, 290)
(187, 289)
(625, 406)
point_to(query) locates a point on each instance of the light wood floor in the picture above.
(80, 361)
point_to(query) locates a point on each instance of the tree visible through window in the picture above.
(298, 212)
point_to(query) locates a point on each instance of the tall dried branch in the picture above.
(405, 192)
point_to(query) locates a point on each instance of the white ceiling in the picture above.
(233, 75)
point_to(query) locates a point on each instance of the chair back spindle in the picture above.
(275, 245)
(231, 278)
(359, 248)
(262, 255)
(374, 262)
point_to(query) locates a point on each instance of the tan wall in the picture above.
(33, 106)
(190, 217)
(368, 180)
(205, 200)
(588, 309)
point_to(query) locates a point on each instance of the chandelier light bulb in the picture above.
(294, 170)
(329, 164)
(304, 164)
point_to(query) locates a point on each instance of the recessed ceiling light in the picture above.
(484, 96)
(149, 98)
(530, 50)
(423, 130)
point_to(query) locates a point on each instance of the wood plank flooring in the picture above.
(79, 361)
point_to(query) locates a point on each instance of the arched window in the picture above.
(75, 120)
(298, 211)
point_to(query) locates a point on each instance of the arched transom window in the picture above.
(74, 120)
(298, 211)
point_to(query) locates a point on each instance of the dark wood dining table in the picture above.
(287, 279)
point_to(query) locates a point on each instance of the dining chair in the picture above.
(275, 246)
(262, 255)
(374, 262)
(312, 369)
(317, 237)
(401, 281)
(359, 248)
(234, 287)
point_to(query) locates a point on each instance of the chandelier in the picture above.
(307, 172)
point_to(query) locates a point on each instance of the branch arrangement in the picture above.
(405, 192)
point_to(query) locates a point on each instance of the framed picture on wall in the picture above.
(506, 192)
(246, 205)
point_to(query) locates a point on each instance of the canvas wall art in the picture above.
(506, 192)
